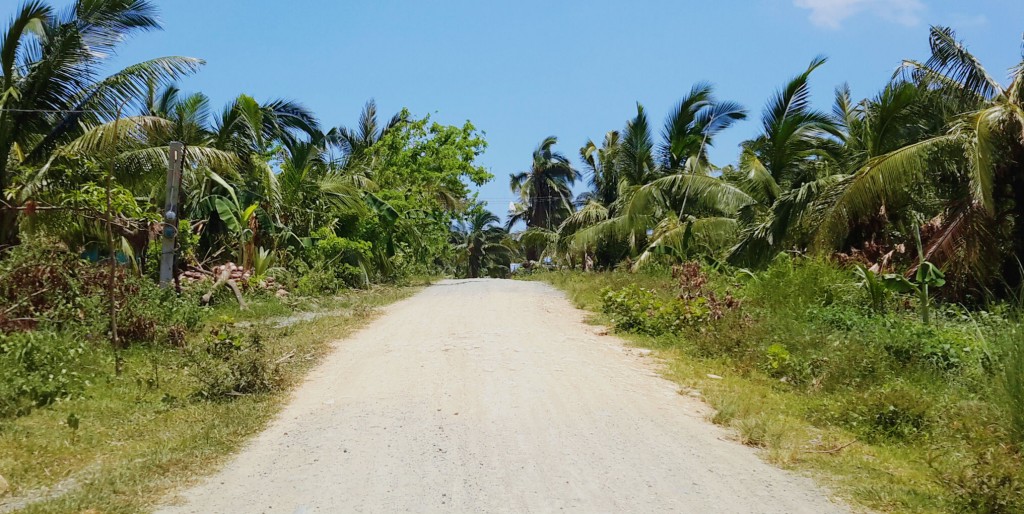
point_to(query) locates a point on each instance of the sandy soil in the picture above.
(494, 396)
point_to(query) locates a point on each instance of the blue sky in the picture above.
(521, 70)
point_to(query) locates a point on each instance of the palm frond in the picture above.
(591, 214)
(29, 19)
(951, 59)
(884, 179)
(114, 136)
(689, 193)
(757, 180)
(636, 164)
(680, 238)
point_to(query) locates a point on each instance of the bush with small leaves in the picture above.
(634, 309)
(230, 364)
(38, 369)
(892, 414)
(941, 348)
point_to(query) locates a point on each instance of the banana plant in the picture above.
(239, 220)
(927, 277)
(874, 285)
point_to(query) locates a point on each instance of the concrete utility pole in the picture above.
(170, 231)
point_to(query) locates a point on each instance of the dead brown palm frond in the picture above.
(963, 242)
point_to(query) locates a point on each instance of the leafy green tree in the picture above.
(432, 161)
(421, 170)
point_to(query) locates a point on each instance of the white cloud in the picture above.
(832, 13)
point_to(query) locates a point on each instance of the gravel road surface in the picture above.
(494, 396)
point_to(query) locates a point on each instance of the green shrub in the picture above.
(634, 309)
(44, 287)
(316, 282)
(780, 363)
(332, 263)
(985, 480)
(230, 365)
(38, 369)
(794, 285)
(341, 255)
(736, 335)
(841, 318)
(778, 359)
(945, 349)
(890, 414)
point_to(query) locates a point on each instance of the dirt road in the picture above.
(494, 396)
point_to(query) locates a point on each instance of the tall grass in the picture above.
(1013, 388)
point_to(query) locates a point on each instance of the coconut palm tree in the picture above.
(253, 131)
(786, 169)
(312, 188)
(479, 238)
(190, 117)
(792, 136)
(637, 160)
(545, 190)
(691, 127)
(355, 142)
(980, 228)
(137, 148)
(600, 165)
(51, 84)
(902, 113)
(669, 181)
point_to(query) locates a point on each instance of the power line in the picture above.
(57, 111)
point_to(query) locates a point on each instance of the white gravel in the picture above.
(494, 396)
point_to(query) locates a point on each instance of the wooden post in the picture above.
(170, 231)
(112, 252)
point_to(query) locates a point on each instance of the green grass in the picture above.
(825, 410)
(144, 433)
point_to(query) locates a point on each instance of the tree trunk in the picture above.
(532, 254)
(8, 216)
(474, 266)
(538, 216)
(1013, 275)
